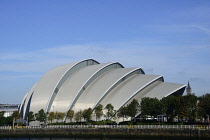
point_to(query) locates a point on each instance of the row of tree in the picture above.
(184, 108)
(87, 114)
(8, 120)
(187, 108)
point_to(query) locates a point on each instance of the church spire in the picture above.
(188, 89)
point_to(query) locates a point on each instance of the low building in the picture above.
(8, 109)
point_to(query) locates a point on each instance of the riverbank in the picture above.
(107, 133)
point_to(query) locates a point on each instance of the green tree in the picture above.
(204, 106)
(41, 116)
(70, 115)
(99, 111)
(110, 111)
(2, 118)
(132, 109)
(185, 107)
(150, 106)
(181, 108)
(122, 113)
(30, 116)
(59, 116)
(168, 107)
(87, 114)
(56, 116)
(9, 120)
(16, 115)
(190, 102)
(51, 116)
(78, 116)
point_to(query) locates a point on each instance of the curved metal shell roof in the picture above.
(26, 105)
(46, 87)
(164, 89)
(127, 89)
(104, 83)
(73, 87)
(87, 83)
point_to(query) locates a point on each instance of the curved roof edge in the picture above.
(27, 107)
(142, 71)
(21, 107)
(23, 101)
(184, 86)
(119, 64)
(26, 104)
(142, 88)
(91, 79)
(27, 99)
(63, 79)
(121, 79)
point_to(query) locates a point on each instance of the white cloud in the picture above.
(202, 28)
(131, 55)
(175, 63)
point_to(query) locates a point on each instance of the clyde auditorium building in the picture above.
(87, 83)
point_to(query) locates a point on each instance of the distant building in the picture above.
(188, 89)
(8, 108)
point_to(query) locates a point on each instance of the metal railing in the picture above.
(113, 127)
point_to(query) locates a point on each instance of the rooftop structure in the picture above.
(188, 89)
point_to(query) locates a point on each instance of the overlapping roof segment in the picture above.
(164, 89)
(26, 101)
(77, 83)
(47, 87)
(129, 88)
(87, 83)
(100, 87)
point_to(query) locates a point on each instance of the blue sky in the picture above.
(164, 37)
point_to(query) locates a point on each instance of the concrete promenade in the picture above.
(130, 131)
(200, 127)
